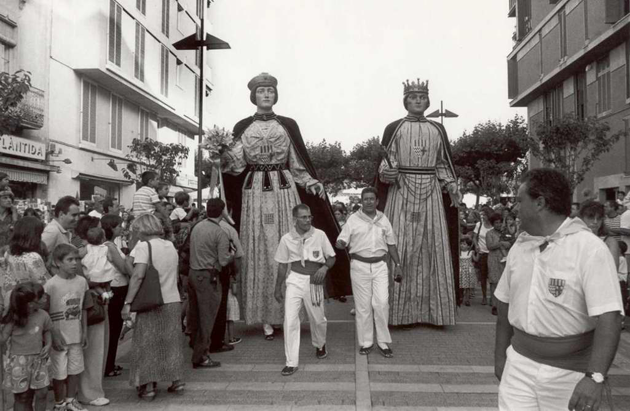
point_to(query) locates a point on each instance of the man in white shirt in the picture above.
(98, 207)
(369, 237)
(304, 256)
(559, 305)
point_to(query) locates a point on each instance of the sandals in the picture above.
(269, 337)
(146, 395)
(177, 388)
(114, 373)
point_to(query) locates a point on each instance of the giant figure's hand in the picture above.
(340, 244)
(456, 196)
(390, 175)
(317, 189)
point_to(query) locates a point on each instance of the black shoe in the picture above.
(223, 348)
(207, 363)
(365, 350)
(494, 311)
(321, 353)
(386, 352)
(343, 299)
(286, 371)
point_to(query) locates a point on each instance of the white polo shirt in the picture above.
(559, 291)
(368, 237)
(312, 246)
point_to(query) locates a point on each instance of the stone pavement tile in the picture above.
(469, 388)
(417, 399)
(273, 375)
(396, 387)
(446, 368)
(329, 367)
(435, 378)
(381, 408)
(255, 386)
(394, 367)
(483, 369)
(321, 386)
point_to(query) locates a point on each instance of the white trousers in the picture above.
(298, 293)
(370, 287)
(528, 385)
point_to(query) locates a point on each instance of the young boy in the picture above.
(162, 190)
(67, 296)
(146, 199)
(182, 200)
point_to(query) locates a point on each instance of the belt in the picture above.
(368, 260)
(267, 167)
(572, 352)
(310, 267)
(417, 170)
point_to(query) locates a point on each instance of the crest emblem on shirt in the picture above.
(556, 286)
(316, 254)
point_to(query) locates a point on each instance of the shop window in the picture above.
(89, 188)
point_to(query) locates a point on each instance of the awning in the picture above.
(23, 176)
(94, 177)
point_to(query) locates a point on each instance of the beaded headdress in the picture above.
(415, 87)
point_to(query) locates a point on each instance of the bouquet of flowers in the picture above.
(217, 141)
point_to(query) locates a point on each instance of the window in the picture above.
(603, 85)
(7, 44)
(553, 105)
(88, 113)
(5, 58)
(138, 66)
(562, 26)
(143, 131)
(115, 19)
(580, 95)
(197, 96)
(166, 12)
(164, 71)
(115, 133)
(182, 138)
(142, 6)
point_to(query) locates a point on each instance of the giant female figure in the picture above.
(267, 174)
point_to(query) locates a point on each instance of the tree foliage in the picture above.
(488, 159)
(147, 154)
(572, 145)
(329, 161)
(363, 162)
(13, 88)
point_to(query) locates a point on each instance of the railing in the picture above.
(31, 109)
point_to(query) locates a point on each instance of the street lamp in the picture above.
(201, 41)
(442, 113)
(65, 160)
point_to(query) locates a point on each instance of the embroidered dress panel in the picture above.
(416, 212)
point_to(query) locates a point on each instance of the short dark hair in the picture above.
(299, 207)
(553, 186)
(181, 197)
(494, 217)
(95, 236)
(215, 207)
(618, 191)
(591, 209)
(30, 212)
(64, 203)
(27, 236)
(163, 184)
(84, 224)
(108, 223)
(107, 203)
(148, 176)
(623, 247)
(613, 203)
(368, 190)
(339, 207)
(62, 250)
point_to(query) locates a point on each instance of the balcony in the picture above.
(31, 109)
(512, 10)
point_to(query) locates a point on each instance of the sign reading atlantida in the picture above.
(22, 147)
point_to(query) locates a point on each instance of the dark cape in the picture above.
(338, 278)
(451, 213)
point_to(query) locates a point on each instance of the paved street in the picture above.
(432, 369)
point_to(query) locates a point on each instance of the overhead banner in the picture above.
(22, 147)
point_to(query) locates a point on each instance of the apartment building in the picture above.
(572, 56)
(114, 75)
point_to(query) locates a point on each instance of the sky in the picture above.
(340, 64)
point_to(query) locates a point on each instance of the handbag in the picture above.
(96, 313)
(149, 295)
(475, 253)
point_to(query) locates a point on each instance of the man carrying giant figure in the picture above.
(266, 174)
(418, 193)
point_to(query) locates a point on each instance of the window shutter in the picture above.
(92, 113)
(120, 120)
(85, 126)
(114, 121)
(112, 30)
(143, 35)
(613, 11)
(136, 57)
(118, 33)
(166, 12)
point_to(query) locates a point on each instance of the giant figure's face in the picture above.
(417, 103)
(265, 97)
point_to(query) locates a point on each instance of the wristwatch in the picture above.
(597, 377)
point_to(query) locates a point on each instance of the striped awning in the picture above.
(23, 176)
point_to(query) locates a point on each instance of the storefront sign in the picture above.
(22, 147)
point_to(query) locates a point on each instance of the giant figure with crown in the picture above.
(419, 194)
(269, 173)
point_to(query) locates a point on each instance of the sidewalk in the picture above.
(433, 368)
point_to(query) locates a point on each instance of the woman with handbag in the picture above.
(156, 353)
(479, 242)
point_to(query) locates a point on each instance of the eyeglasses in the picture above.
(305, 218)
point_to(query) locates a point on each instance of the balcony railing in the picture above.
(31, 109)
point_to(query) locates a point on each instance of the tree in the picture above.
(148, 154)
(329, 161)
(488, 159)
(572, 145)
(363, 162)
(13, 88)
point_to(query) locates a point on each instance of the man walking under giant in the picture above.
(417, 169)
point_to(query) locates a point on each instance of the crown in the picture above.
(415, 87)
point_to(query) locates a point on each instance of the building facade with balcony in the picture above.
(115, 76)
(572, 56)
(23, 152)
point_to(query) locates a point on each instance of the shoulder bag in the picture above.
(149, 295)
(96, 312)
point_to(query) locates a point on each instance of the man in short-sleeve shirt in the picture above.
(558, 299)
(306, 255)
